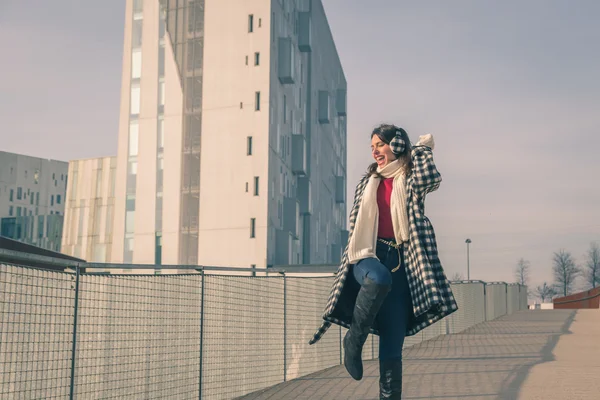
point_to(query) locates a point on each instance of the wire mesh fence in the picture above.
(82, 335)
(36, 333)
(138, 336)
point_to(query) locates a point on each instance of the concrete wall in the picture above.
(588, 299)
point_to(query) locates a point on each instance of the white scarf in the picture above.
(363, 241)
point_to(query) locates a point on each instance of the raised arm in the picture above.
(426, 177)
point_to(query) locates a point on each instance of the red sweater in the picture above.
(384, 194)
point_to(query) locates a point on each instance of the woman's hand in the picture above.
(426, 140)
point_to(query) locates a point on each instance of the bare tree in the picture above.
(457, 276)
(565, 271)
(522, 272)
(545, 292)
(592, 265)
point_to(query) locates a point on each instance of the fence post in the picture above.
(74, 348)
(284, 327)
(506, 309)
(485, 302)
(201, 332)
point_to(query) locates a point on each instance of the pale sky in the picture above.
(510, 90)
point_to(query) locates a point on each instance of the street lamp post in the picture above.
(468, 242)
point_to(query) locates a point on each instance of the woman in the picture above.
(391, 282)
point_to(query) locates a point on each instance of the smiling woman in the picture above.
(382, 140)
(391, 282)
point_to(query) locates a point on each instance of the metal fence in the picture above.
(66, 335)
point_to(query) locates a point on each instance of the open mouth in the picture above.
(380, 159)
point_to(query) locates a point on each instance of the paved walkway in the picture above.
(553, 354)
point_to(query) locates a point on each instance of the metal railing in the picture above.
(207, 333)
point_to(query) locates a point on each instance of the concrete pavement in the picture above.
(542, 354)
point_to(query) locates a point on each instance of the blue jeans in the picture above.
(396, 310)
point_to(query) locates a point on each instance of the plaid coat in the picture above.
(430, 290)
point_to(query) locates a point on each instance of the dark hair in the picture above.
(386, 132)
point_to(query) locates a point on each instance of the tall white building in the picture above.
(232, 135)
(32, 199)
(88, 228)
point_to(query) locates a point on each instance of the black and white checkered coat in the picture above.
(432, 297)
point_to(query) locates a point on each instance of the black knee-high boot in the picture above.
(368, 302)
(390, 379)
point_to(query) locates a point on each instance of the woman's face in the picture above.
(381, 151)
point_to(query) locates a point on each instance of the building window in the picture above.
(246, 60)
(246, 187)
(128, 253)
(257, 101)
(36, 176)
(31, 198)
(256, 185)
(52, 200)
(18, 211)
(252, 228)
(98, 185)
(138, 6)
(40, 226)
(58, 199)
(161, 133)
(250, 23)
(136, 64)
(37, 199)
(161, 61)
(136, 39)
(158, 248)
(257, 58)
(273, 26)
(161, 25)
(11, 195)
(161, 93)
(135, 99)
(11, 211)
(248, 148)
(19, 193)
(284, 109)
(134, 130)
(259, 22)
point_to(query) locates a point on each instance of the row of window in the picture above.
(256, 186)
(22, 195)
(249, 143)
(36, 175)
(256, 108)
(256, 59)
(22, 211)
(251, 23)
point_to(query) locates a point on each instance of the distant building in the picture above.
(89, 212)
(232, 136)
(32, 199)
